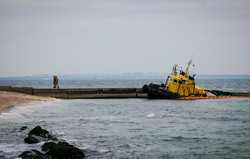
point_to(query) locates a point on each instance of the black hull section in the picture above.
(155, 91)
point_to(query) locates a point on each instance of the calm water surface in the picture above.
(137, 128)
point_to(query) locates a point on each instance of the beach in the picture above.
(8, 100)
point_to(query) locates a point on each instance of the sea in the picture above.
(135, 128)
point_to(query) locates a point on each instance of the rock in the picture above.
(38, 131)
(62, 150)
(24, 128)
(31, 139)
(50, 137)
(38, 134)
(49, 146)
(33, 154)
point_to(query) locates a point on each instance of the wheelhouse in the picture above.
(181, 83)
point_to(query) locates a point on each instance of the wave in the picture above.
(154, 115)
(24, 110)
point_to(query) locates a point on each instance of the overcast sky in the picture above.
(123, 36)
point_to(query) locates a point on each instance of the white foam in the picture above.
(151, 115)
(103, 150)
(155, 115)
(23, 111)
(17, 149)
(12, 148)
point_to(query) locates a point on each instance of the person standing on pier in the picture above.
(55, 80)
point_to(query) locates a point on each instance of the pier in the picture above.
(79, 93)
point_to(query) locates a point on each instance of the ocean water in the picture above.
(136, 128)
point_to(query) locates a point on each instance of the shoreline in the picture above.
(9, 100)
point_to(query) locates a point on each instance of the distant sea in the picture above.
(238, 85)
(135, 128)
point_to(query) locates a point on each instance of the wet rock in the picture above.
(38, 134)
(24, 128)
(31, 139)
(33, 154)
(49, 146)
(38, 131)
(62, 150)
(50, 137)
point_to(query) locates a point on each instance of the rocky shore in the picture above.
(8, 100)
(51, 149)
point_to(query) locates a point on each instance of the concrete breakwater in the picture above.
(91, 93)
(79, 93)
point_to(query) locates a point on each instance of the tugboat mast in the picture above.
(189, 63)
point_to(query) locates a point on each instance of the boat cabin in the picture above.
(180, 82)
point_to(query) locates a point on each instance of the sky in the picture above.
(123, 36)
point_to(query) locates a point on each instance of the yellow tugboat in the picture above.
(179, 84)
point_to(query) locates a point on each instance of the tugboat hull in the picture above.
(155, 91)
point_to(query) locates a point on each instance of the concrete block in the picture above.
(142, 95)
(102, 95)
(27, 90)
(5, 88)
(55, 95)
(40, 90)
(139, 90)
(124, 95)
(61, 90)
(84, 96)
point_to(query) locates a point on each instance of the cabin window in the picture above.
(185, 82)
(173, 80)
(191, 78)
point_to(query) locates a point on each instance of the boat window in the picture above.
(191, 78)
(185, 82)
(173, 80)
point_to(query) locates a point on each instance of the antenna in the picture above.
(192, 57)
(189, 63)
(192, 60)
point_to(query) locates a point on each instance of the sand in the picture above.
(8, 100)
